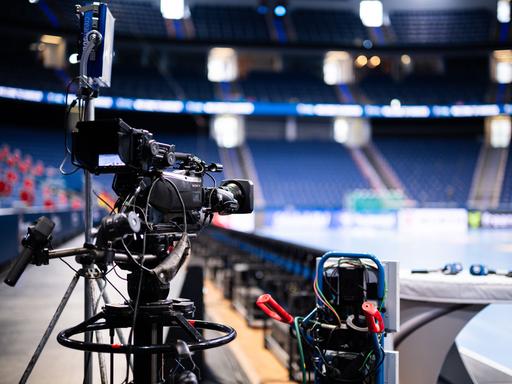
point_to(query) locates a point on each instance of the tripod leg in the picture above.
(106, 300)
(49, 330)
(99, 338)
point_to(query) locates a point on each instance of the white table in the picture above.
(434, 308)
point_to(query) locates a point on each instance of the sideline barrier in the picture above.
(14, 223)
(412, 220)
(490, 219)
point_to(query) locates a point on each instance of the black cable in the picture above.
(118, 291)
(67, 151)
(118, 275)
(130, 255)
(135, 310)
(69, 265)
(104, 201)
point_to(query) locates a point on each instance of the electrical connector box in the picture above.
(97, 17)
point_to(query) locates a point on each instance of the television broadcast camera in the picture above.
(139, 163)
(162, 203)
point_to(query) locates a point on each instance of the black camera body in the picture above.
(141, 167)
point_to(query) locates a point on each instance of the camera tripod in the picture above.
(154, 361)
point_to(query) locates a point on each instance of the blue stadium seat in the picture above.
(138, 18)
(328, 26)
(433, 170)
(229, 23)
(380, 89)
(286, 87)
(442, 26)
(307, 175)
(129, 80)
(506, 190)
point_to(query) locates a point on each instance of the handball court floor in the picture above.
(487, 334)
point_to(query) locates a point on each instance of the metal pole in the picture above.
(88, 303)
(49, 330)
(99, 338)
(106, 300)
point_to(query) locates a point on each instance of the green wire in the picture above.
(366, 359)
(301, 351)
(385, 295)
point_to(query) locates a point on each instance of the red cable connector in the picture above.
(268, 305)
(371, 313)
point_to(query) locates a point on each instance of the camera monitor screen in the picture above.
(96, 146)
(110, 160)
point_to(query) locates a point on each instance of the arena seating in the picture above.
(506, 190)
(229, 23)
(442, 27)
(286, 87)
(194, 85)
(138, 18)
(328, 27)
(23, 61)
(245, 24)
(380, 89)
(34, 177)
(307, 175)
(435, 171)
(150, 84)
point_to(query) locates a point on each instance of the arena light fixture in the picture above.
(353, 132)
(405, 59)
(73, 58)
(222, 64)
(395, 103)
(501, 66)
(371, 13)
(499, 129)
(52, 51)
(341, 129)
(173, 9)
(228, 130)
(51, 39)
(374, 61)
(361, 61)
(280, 11)
(503, 11)
(338, 68)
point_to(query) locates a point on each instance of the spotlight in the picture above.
(361, 61)
(406, 59)
(395, 103)
(280, 11)
(73, 58)
(374, 61)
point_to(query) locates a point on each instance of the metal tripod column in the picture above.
(88, 304)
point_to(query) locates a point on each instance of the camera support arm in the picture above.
(169, 267)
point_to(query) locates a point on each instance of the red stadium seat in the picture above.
(28, 184)
(5, 188)
(27, 197)
(49, 203)
(12, 176)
